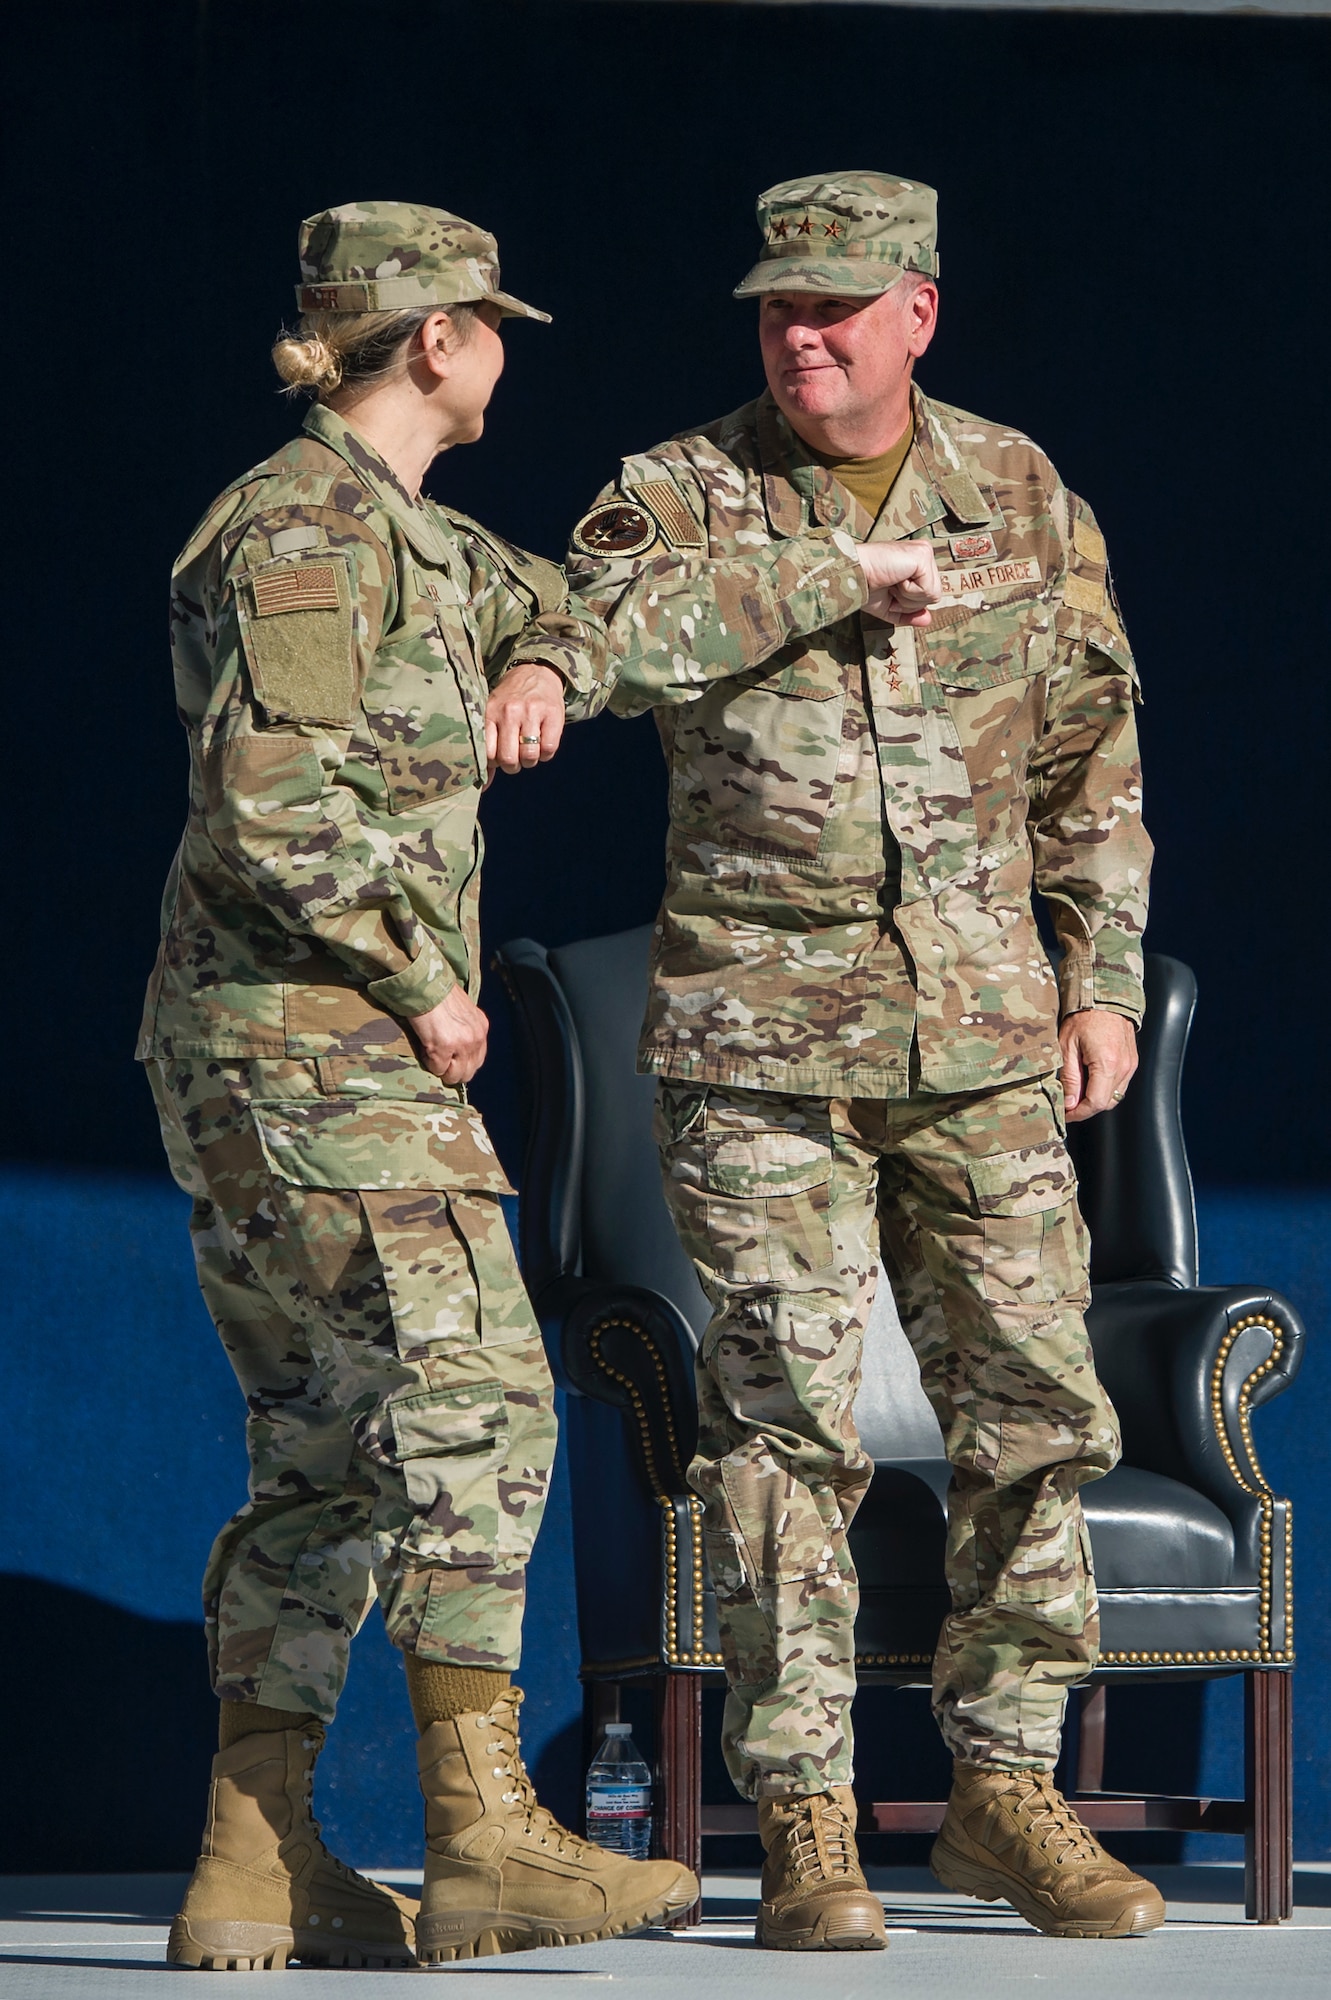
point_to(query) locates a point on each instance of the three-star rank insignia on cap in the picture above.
(615, 529)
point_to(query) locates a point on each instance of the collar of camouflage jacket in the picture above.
(416, 518)
(800, 492)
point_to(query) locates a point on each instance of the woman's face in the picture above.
(475, 364)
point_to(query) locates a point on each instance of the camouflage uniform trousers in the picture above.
(400, 1421)
(785, 1205)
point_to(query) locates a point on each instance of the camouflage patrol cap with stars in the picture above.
(851, 235)
(378, 256)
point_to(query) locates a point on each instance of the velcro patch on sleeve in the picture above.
(296, 629)
(1088, 541)
(308, 586)
(1083, 595)
(287, 541)
(679, 523)
(545, 580)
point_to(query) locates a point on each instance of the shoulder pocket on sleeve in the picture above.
(296, 628)
(1108, 649)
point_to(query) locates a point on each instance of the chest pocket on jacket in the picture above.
(425, 705)
(755, 761)
(973, 647)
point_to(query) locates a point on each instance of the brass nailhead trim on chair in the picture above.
(1261, 1493)
(594, 1334)
(674, 1657)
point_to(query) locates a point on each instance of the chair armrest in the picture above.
(1185, 1368)
(632, 1348)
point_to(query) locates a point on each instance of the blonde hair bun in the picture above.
(358, 351)
(306, 361)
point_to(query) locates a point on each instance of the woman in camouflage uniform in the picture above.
(309, 1032)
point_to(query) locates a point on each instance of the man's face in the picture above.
(843, 360)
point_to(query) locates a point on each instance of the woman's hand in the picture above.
(524, 718)
(903, 580)
(452, 1037)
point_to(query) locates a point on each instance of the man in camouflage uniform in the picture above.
(858, 1035)
(308, 1033)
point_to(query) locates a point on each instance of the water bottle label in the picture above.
(619, 1801)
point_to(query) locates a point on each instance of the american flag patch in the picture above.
(296, 587)
(672, 510)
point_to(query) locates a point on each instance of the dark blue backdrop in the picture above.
(1134, 271)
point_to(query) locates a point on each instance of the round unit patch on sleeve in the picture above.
(615, 529)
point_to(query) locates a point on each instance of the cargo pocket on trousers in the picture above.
(1032, 1230)
(428, 1183)
(449, 1267)
(725, 1562)
(753, 1204)
(1049, 1575)
(451, 1444)
(767, 1204)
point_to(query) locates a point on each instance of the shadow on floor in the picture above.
(111, 1733)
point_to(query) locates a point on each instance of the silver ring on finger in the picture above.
(530, 739)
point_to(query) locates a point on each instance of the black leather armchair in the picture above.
(1192, 1548)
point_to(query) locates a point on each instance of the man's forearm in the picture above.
(674, 628)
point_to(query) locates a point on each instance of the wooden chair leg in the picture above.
(1268, 1715)
(679, 1777)
(1091, 1741)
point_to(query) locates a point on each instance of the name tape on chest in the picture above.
(983, 578)
(296, 587)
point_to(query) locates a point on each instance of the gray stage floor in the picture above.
(74, 1937)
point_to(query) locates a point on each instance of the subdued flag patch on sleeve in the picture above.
(681, 526)
(308, 586)
(296, 629)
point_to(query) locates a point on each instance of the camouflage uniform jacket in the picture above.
(857, 818)
(334, 642)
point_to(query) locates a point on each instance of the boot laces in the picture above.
(820, 1840)
(339, 1868)
(1054, 1823)
(539, 1824)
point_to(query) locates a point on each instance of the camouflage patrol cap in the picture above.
(377, 256)
(853, 234)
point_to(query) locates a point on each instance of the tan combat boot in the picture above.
(1009, 1834)
(265, 1888)
(501, 1874)
(815, 1897)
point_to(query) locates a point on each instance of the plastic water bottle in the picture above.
(619, 1796)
